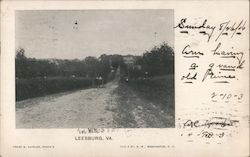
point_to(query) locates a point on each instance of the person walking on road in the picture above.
(100, 81)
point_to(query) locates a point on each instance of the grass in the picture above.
(126, 103)
(151, 99)
(158, 90)
(35, 87)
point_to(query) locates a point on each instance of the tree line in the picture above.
(88, 67)
(157, 61)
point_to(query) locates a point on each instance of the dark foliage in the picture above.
(34, 87)
(156, 62)
(90, 67)
(159, 61)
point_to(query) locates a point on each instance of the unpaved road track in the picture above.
(114, 106)
(83, 108)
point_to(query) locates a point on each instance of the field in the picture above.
(35, 87)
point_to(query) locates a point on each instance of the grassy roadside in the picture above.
(149, 102)
(126, 102)
(158, 90)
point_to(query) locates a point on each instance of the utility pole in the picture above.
(155, 34)
(128, 71)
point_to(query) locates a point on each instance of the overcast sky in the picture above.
(77, 34)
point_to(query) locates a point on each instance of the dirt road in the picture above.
(83, 108)
(115, 105)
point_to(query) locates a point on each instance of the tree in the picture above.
(20, 54)
(91, 66)
(158, 61)
(21, 63)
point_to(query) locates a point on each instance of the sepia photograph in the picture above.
(94, 68)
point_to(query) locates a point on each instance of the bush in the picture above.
(34, 87)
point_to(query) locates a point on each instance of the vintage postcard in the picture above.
(124, 78)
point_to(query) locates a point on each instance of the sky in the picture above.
(81, 33)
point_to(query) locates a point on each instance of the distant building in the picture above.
(137, 67)
(129, 59)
